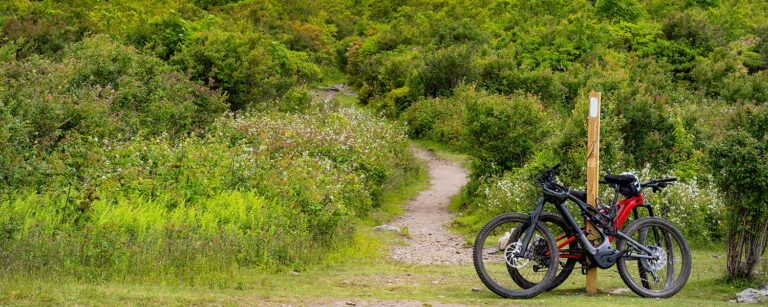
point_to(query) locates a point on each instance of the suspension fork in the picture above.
(650, 213)
(534, 215)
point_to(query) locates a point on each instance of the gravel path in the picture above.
(426, 216)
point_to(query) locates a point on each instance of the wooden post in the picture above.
(593, 167)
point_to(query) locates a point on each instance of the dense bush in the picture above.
(624, 10)
(440, 119)
(100, 89)
(248, 67)
(266, 190)
(39, 30)
(444, 70)
(503, 131)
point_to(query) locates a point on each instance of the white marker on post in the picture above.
(593, 107)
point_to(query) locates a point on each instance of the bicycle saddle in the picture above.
(619, 179)
(580, 195)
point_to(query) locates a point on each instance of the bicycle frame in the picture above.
(604, 254)
(624, 208)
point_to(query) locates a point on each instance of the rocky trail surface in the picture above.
(426, 217)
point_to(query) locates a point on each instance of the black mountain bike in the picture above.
(516, 256)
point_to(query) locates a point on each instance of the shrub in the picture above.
(503, 131)
(693, 28)
(624, 10)
(762, 44)
(100, 89)
(267, 190)
(439, 119)
(502, 76)
(39, 30)
(740, 168)
(648, 131)
(162, 37)
(443, 70)
(248, 67)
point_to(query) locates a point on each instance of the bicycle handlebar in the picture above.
(658, 184)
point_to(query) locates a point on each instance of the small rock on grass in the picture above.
(293, 273)
(387, 228)
(475, 289)
(750, 295)
(619, 290)
(351, 304)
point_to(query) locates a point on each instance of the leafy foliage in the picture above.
(503, 131)
(740, 167)
(247, 67)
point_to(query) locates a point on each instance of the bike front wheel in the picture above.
(569, 252)
(667, 271)
(495, 250)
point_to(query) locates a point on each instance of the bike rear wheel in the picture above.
(667, 273)
(494, 250)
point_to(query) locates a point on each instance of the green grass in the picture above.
(357, 273)
(444, 152)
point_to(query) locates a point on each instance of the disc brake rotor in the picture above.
(659, 261)
(510, 252)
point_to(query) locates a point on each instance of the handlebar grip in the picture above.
(603, 182)
(559, 164)
(671, 179)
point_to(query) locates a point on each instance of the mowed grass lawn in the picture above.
(358, 274)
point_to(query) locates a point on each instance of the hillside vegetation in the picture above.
(182, 137)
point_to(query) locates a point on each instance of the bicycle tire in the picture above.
(567, 267)
(669, 233)
(477, 257)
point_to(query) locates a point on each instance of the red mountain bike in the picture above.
(517, 255)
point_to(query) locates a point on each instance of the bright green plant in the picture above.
(503, 131)
(624, 10)
(444, 70)
(248, 67)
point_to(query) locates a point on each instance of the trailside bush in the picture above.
(440, 119)
(161, 36)
(502, 75)
(445, 69)
(248, 67)
(265, 190)
(503, 131)
(740, 168)
(100, 89)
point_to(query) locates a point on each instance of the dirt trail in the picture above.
(426, 216)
